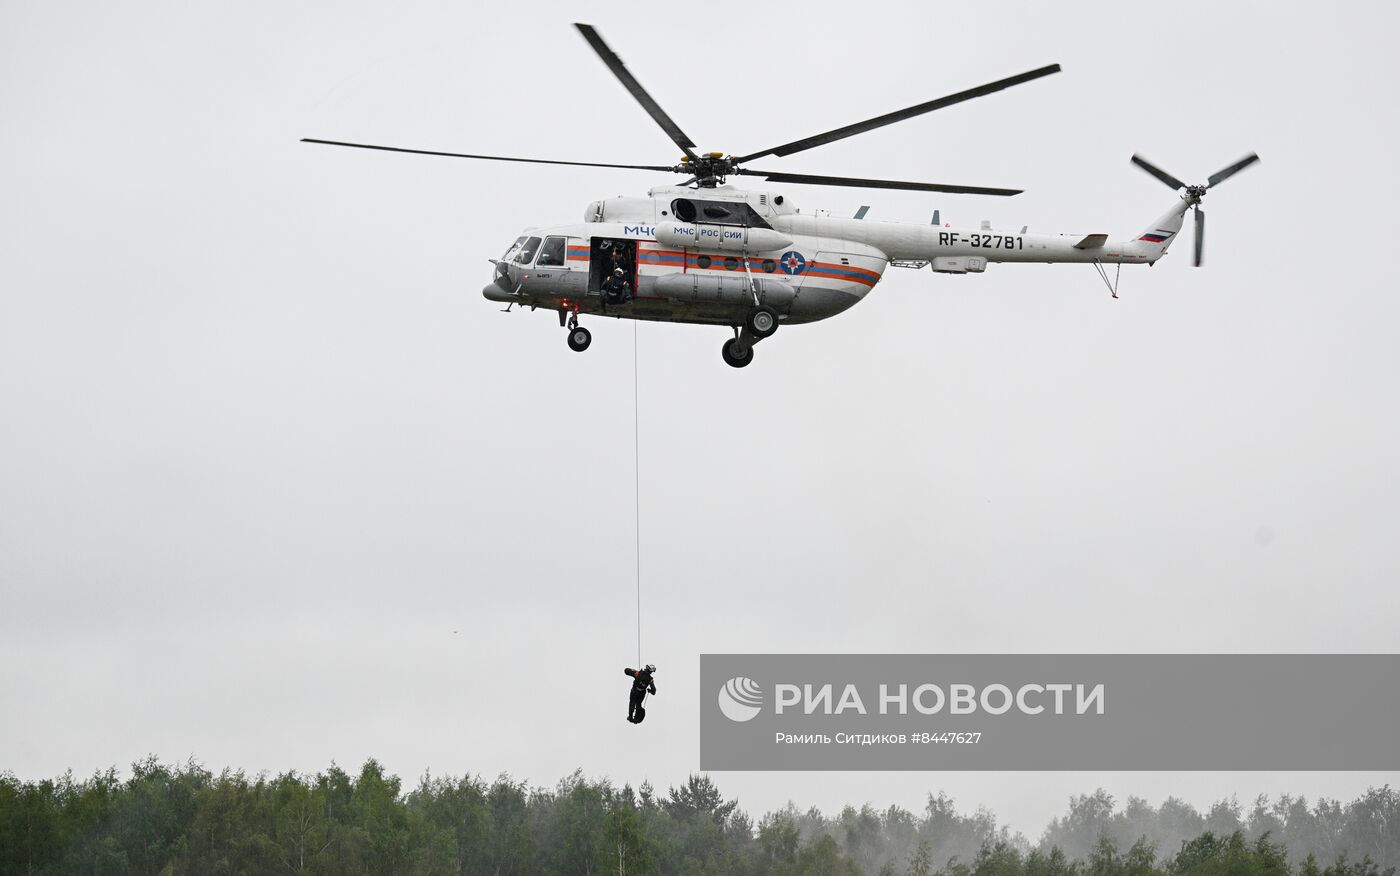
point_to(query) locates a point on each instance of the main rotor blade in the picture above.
(488, 157)
(1200, 235)
(1158, 172)
(629, 81)
(899, 115)
(856, 182)
(1221, 176)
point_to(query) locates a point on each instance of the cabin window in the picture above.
(552, 253)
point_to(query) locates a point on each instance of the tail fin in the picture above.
(1154, 240)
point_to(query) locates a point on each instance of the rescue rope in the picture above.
(637, 487)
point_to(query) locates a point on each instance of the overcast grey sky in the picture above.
(277, 486)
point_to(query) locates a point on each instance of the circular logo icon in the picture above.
(740, 699)
(792, 262)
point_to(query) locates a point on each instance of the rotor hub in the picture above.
(709, 169)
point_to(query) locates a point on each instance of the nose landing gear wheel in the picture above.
(762, 321)
(736, 355)
(579, 338)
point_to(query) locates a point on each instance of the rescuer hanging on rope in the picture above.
(642, 684)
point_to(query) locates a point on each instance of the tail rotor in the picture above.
(1194, 194)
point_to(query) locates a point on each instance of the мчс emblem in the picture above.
(792, 262)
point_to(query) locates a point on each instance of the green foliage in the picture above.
(1054, 863)
(179, 819)
(921, 862)
(1325, 829)
(999, 858)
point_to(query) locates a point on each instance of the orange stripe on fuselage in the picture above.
(689, 261)
(825, 270)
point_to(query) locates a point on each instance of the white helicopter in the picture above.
(708, 253)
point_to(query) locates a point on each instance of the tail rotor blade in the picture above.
(1200, 235)
(1158, 172)
(1220, 176)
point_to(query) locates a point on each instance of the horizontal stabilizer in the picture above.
(1092, 241)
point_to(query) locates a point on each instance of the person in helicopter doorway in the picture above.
(642, 684)
(616, 289)
(619, 259)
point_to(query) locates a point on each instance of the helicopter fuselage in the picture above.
(756, 249)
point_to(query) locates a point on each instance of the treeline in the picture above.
(1367, 827)
(184, 819)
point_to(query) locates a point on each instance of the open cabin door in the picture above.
(607, 254)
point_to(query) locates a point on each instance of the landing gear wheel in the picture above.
(579, 338)
(762, 321)
(732, 356)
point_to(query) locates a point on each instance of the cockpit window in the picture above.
(552, 253)
(514, 248)
(527, 252)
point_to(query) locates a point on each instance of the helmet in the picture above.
(617, 271)
(651, 667)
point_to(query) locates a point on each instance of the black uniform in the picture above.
(642, 684)
(616, 290)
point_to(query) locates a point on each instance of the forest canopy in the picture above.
(185, 819)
